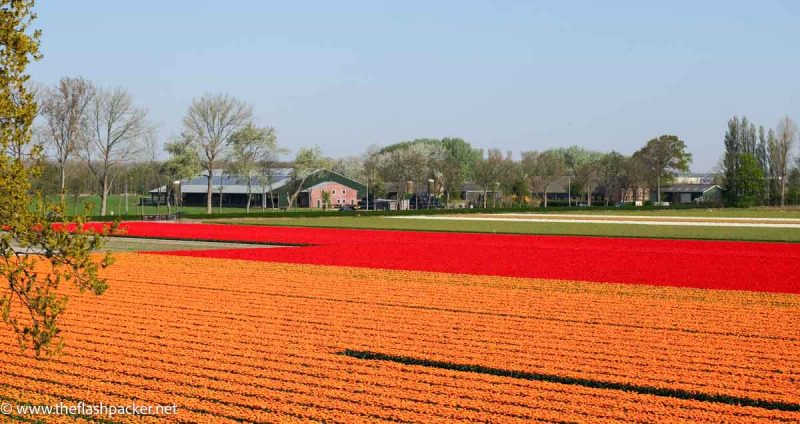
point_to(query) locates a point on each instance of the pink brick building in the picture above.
(341, 195)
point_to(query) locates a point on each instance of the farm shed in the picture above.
(274, 191)
(689, 193)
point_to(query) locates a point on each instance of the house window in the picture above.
(333, 191)
(344, 191)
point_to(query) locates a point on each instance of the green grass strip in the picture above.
(584, 382)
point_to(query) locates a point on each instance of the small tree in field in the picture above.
(306, 162)
(326, 199)
(183, 163)
(39, 250)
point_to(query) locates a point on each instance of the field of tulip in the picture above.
(293, 338)
(766, 267)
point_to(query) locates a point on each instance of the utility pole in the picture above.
(569, 191)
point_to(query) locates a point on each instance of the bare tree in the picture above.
(488, 171)
(65, 108)
(209, 123)
(780, 151)
(117, 127)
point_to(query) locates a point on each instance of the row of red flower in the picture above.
(769, 267)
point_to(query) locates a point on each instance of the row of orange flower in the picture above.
(258, 341)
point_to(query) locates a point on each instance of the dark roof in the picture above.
(688, 188)
(280, 180)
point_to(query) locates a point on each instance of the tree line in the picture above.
(101, 142)
(758, 165)
(450, 162)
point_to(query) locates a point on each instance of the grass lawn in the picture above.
(791, 212)
(116, 204)
(607, 230)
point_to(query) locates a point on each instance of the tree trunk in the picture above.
(104, 196)
(169, 195)
(485, 191)
(588, 195)
(297, 193)
(397, 199)
(658, 188)
(208, 192)
(249, 191)
(545, 197)
(269, 187)
(62, 191)
(783, 190)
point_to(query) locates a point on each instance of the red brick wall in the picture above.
(340, 195)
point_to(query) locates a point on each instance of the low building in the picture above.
(471, 195)
(338, 195)
(690, 193)
(274, 191)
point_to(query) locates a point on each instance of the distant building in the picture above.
(273, 192)
(340, 195)
(471, 194)
(690, 193)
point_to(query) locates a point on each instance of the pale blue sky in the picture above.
(514, 75)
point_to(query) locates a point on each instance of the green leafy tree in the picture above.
(574, 156)
(663, 157)
(749, 180)
(326, 199)
(793, 193)
(613, 168)
(742, 138)
(183, 163)
(455, 166)
(38, 250)
(251, 147)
